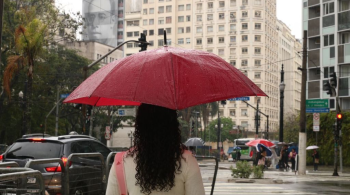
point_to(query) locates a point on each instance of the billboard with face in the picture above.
(101, 19)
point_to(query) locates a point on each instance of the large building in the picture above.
(327, 24)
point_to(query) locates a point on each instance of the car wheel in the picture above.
(81, 191)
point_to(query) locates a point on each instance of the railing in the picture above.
(9, 164)
(215, 171)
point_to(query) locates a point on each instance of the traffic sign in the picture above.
(316, 120)
(317, 110)
(317, 103)
(108, 133)
(316, 128)
(240, 99)
(64, 95)
(126, 112)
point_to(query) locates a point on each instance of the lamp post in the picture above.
(130, 136)
(282, 87)
(22, 97)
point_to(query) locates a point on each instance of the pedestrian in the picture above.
(158, 163)
(284, 156)
(316, 158)
(193, 150)
(261, 157)
(292, 156)
(238, 155)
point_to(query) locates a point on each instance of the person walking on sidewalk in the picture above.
(292, 156)
(316, 158)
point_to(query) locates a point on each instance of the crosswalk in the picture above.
(250, 188)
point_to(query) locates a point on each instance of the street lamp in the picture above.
(23, 105)
(131, 137)
(282, 87)
(196, 115)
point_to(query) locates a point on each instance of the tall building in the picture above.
(327, 24)
(289, 54)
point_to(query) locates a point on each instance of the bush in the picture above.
(258, 172)
(243, 170)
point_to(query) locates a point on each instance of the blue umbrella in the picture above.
(237, 148)
(267, 149)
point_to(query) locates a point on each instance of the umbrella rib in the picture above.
(172, 65)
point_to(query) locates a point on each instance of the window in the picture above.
(221, 28)
(160, 31)
(210, 17)
(257, 50)
(221, 52)
(257, 75)
(180, 30)
(221, 39)
(160, 9)
(199, 30)
(210, 5)
(132, 23)
(233, 27)
(199, 41)
(151, 21)
(129, 45)
(188, 6)
(244, 50)
(180, 41)
(168, 30)
(232, 112)
(145, 1)
(327, 71)
(151, 10)
(199, 6)
(328, 8)
(180, 19)
(151, 32)
(181, 8)
(210, 50)
(257, 38)
(210, 40)
(344, 5)
(257, 26)
(233, 15)
(145, 32)
(232, 3)
(145, 22)
(257, 62)
(258, 14)
(244, 25)
(221, 3)
(160, 42)
(232, 39)
(209, 29)
(233, 62)
(168, 8)
(244, 62)
(129, 34)
(168, 20)
(244, 38)
(245, 2)
(188, 40)
(344, 38)
(328, 40)
(97, 147)
(161, 20)
(257, 2)
(221, 16)
(199, 18)
(332, 52)
(232, 51)
(188, 18)
(188, 29)
(244, 112)
(168, 41)
(144, 11)
(244, 14)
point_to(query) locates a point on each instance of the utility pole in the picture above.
(57, 105)
(257, 120)
(267, 116)
(218, 135)
(302, 133)
(282, 87)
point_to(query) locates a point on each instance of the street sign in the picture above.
(240, 99)
(126, 112)
(318, 103)
(108, 133)
(316, 128)
(64, 95)
(317, 110)
(316, 120)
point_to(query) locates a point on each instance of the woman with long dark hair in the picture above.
(158, 163)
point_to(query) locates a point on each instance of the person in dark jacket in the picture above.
(316, 158)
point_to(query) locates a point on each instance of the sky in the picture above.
(289, 11)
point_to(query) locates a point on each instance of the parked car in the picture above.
(84, 175)
(3, 148)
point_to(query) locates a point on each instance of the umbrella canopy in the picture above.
(237, 148)
(268, 151)
(169, 77)
(283, 144)
(260, 141)
(195, 141)
(230, 150)
(311, 147)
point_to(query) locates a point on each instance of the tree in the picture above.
(227, 124)
(291, 128)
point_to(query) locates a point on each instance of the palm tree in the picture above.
(29, 39)
(207, 110)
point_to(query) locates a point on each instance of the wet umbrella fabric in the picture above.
(267, 149)
(169, 77)
(311, 147)
(194, 142)
(237, 148)
(260, 141)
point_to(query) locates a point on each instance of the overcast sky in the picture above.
(289, 11)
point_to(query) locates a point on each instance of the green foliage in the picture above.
(243, 170)
(291, 128)
(258, 172)
(225, 130)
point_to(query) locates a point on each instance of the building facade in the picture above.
(327, 24)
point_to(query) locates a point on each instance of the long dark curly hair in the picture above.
(157, 148)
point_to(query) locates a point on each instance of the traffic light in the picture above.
(89, 108)
(327, 87)
(223, 102)
(333, 81)
(144, 44)
(339, 124)
(192, 127)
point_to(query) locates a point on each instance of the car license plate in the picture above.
(31, 180)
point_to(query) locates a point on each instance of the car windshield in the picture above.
(35, 150)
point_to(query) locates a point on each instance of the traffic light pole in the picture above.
(267, 118)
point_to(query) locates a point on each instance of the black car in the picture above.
(3, 148)
(85, 173)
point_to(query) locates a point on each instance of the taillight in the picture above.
(64, 159)
(58, 168)
(37, 139)
(1, 158)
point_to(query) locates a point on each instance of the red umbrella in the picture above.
(254, 143)
(169, 77)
